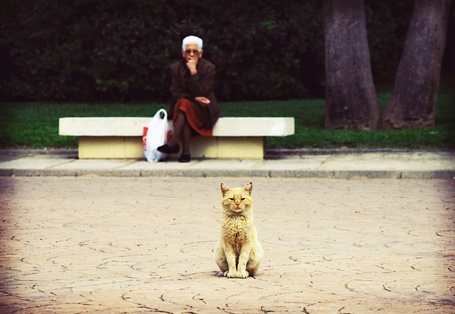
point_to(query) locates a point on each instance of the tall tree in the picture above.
(413, 101)
(351, 101)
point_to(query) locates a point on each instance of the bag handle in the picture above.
(162, 111)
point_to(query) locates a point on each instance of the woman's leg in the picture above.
(179, 124)
(182, 132)
(186, 136)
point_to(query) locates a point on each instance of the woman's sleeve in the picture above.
(176, 89)
(203, 83)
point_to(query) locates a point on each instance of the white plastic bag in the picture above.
(155, 134)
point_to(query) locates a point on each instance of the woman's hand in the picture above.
(191, 64)
(203, 101)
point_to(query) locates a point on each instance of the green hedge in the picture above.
(119, 50)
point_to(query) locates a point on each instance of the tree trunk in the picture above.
(351, 101)
(450, 49)
(413, 101)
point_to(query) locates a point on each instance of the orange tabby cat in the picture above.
(238, 253)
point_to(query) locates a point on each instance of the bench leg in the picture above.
(228, 147)
(110, 147)
(118, 147)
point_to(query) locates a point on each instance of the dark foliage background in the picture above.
(119, 50)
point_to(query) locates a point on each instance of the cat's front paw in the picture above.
(231, 274)
(242, 274)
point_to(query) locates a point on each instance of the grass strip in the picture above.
(35, 125)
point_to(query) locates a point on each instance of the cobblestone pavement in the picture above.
(144, 245)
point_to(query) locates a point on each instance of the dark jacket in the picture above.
(183, 85)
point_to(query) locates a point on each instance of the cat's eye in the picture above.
(242, 199)
(231, 198)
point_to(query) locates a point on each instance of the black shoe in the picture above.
(169, 149)
(185, 158)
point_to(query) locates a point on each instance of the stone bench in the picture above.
(233, 138)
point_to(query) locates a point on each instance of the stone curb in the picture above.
(303, 163)
(348, 174)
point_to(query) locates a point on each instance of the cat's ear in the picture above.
(224, 188)
(249, 188)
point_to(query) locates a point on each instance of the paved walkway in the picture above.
(297, 164)
(144, 245)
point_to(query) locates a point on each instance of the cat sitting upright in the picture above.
(238, 252)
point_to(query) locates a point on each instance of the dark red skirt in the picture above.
(193, 114)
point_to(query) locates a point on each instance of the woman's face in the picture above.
(191, 52)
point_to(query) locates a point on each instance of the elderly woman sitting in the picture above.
(194, 109)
